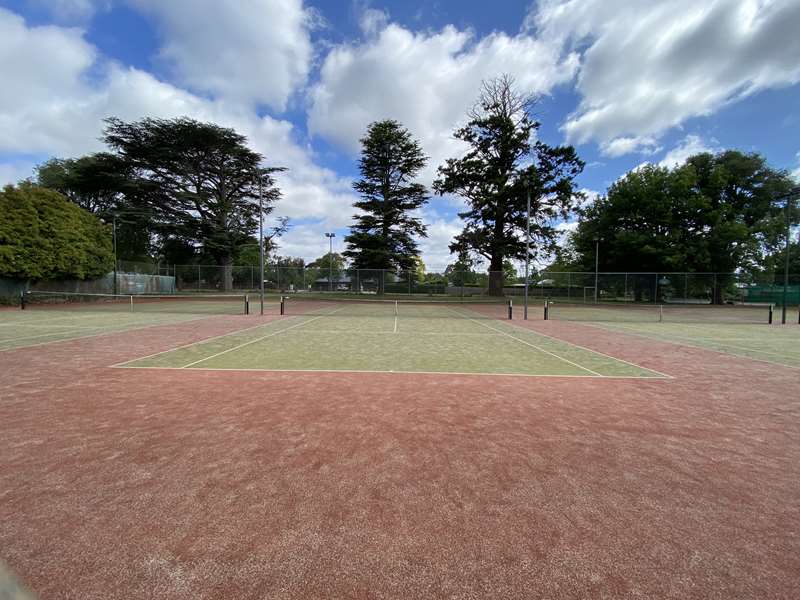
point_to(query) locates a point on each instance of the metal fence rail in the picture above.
(583, 287)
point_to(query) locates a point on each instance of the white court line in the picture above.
(258, 339)
(395, 324)
(91, 335)
(536, 332)
(438, 334)
(246, 370)
(108, 328)
(25, 325)
(203, 341)
(682, 337)
(678, 343)
(531, 345)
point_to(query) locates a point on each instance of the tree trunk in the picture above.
(227, 273)
(496, 276)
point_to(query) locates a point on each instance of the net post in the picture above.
(246, 304)
(131, 301)
(660, 313)
(283, 305)
(510, 309)
(769, 318)
(22, 300)
(546, 309)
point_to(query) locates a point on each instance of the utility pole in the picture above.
(330, 237)
(261, 241)
(789, 196)
(597, 241)
(527, 248)
(114, 237)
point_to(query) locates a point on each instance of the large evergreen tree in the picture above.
(504, 160)
(383, 235)
(201, 179)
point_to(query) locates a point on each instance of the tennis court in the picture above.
(58, 316)
(392, 336)
(746, 331)
(416, 449)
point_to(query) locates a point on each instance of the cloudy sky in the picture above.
(625, 81)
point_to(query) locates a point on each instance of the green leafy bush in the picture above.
(45, 236)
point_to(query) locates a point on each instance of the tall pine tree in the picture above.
(383, 235)
(503, 162)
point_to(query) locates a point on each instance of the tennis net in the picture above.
(188, 304)
(660, 313)
(366, 308)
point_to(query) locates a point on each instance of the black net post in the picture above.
(22, 300)
(546, 308)
(283, 305)
(769, 318)
(510, 309)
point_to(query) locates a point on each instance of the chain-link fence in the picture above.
(589, 287)
(665, 288)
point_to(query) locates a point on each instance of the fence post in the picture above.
(655, 295)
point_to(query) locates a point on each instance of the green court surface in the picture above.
(779, 344)
(424, 340)
(20, 329)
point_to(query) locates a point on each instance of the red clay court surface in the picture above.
(137, 483)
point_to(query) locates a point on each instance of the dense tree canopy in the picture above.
(45, 236)
(103, 184)
(383, 234)
(713, 214)
(201, 179)
(503, 163)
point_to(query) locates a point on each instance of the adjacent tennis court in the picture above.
(390, 336)
(746, 331)
(57, 316)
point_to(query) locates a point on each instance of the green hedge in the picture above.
(45, 236)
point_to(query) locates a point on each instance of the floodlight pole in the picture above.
(330, 237)
(114, 238)
(596, 265)
(527, 248)
(794, 192)
(261, 241)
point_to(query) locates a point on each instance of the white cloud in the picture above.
(53, 110)
(434, 248)
(590, 197)
(796, 173)
(648, 66)
(72, 10)
(425, 80)
(14, 172)
(691, 145)
(255, 51)
(372, 21)
(626, 145)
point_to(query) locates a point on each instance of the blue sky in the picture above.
(625, 81)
